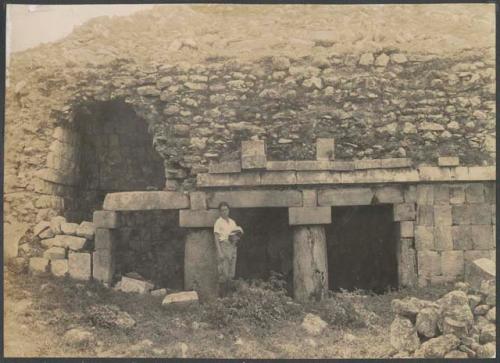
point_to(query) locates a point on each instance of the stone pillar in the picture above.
(200, 263)
(310, 262)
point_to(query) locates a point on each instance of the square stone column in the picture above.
(310, 262)
(200, 263)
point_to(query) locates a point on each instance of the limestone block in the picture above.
(448, 161)
(433, 173)
(309, 215)
(380, 176)
(404, 212)
(425, 194)
(490, 192)
(55, 176)
(38, 265)
(46, 234)
(452, 263)
(339, 165)
(72, 242)
(86, 230)
(477, 173)
(407, 263)
(12, 234)
(482, 237)
(310, 198)
(442, 215)
(49, 201)
(339, 197)
(410, 194)
(425, 215)
(198, 218)
(183, 297)
(55, 224)
(471, 255)
(103, 266)
(79, 265)
(389, 195)
(482, 269)
(280, 165)
(105, 239)
(145, 201)
(198, 200)
(406, 229)
(471, 214)
(50, 242)
(69, 228)
(382, 163)
(55, 253)
(224, 167)
(318, 177)
(278, 178)
(462, 237)
(40, 227)
(105, 219)
(474, 193)
(128, 284)
(253, 154)
(424, 238)
(325, 149)
(429, 264)
(443, 240)
(228, 180)
(256, 198)
(457, 194)
(200, 266)
(442, 194)
(59, 268)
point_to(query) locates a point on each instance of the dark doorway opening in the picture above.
(266, 245)
(361, 245)
(116, 154)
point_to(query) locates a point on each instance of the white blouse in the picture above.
(224, 228)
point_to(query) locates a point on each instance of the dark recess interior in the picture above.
(266, 245)
(116, 154)
(361, 245)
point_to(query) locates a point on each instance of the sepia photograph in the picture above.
(250, 181)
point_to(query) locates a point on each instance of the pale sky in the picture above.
(30, 25)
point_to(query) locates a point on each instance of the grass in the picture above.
(258, 321)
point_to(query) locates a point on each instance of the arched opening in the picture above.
(115, 154)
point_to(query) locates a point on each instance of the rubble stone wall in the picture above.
(375, 105)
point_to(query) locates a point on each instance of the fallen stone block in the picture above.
(440, 346)
(403, 335)
(80, 265)
(426, 322)
(40, 227)
(50, 242)
(69, 228)
(86, 230)
(55, 253)
(106, 219)
(313, 324)
(487, 350)
(55, 224)
(184, 297)
(59, 268)
(488, 334)
(46, 234)
(38, 265)
(128, 284)
(159, 292)
(410, 306)
(72, 242)
(480, 270)
(309, 215)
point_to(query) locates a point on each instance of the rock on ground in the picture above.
(313, 324)
(410, 306)
(78, 338)
(128, 284)
(110, 316)
(486, 351)
(184, 297)
(492, 315)
(426, 322)
(488, 334)
(55, 224)
(480, 270)
(440, 346)
(404, 335)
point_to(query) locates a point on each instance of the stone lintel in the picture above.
(281, 165)
(278, 178)
(309, 215)
(347, 196)
(145, 201)
(198, 218)
(256, 198)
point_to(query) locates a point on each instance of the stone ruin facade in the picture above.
(148, 149)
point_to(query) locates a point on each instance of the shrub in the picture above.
(337, 311)
(256, 303)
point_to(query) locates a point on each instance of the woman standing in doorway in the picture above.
(227, 235)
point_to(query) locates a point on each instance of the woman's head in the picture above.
(224, 209)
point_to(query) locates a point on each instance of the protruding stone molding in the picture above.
(287, 176)
(310, 264)
(255, 198)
